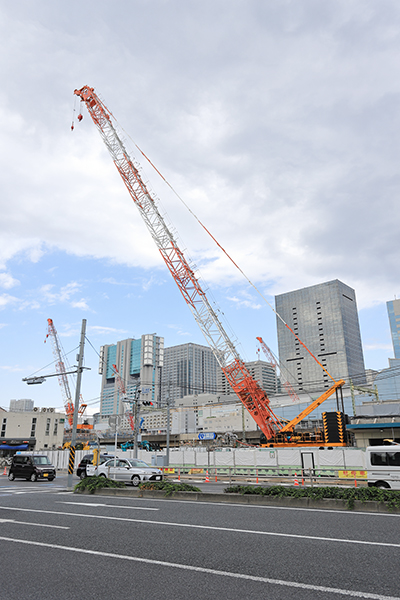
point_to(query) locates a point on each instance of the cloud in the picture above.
(63, 295)
(81, 304)
(6, 299)
(103, 330)
(178, 329)
(283, 143)
(240, 302)
(7, 281)
(378, 346)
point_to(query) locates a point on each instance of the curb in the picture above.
(248, 499)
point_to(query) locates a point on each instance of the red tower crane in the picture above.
(246, 388)
(61, 361)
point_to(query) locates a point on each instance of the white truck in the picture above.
(383, 466)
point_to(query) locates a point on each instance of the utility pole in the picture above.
(71, 461)
(137, 424)
(168, 404)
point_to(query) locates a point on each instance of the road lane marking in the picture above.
(107, 505)
(33, 524)
(207, 527)
(255, 578)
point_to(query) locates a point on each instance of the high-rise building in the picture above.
(393, 308)
(325, 319)
(21, 405)
(188, 369)
(139, 363)
(263, 372)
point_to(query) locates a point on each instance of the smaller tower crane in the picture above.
(61, 361)
(123, 396)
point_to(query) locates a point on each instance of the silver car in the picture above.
(130, 470)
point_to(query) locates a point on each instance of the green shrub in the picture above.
(168, 487)
(391, 498)
(91, 484)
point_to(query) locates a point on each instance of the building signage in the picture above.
(207, 436)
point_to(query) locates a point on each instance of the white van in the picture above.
(383, 466)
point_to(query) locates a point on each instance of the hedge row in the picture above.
(391, 498)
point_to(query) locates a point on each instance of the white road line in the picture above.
(267, 507)
(162, 563)
(208, 527)
(108, 505)
(33, 524)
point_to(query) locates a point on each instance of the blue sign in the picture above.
(207, 436)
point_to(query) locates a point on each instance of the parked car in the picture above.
(129, 470)
(31, 468)
(88, 460)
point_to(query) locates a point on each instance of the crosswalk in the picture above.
(14, 491)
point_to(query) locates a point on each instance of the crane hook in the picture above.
(80, 117)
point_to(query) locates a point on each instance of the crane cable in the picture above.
(226, 253)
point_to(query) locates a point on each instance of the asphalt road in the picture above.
(54, 544)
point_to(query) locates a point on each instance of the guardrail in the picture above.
(262, 476)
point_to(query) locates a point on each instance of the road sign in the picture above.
(207, 436)
(114, 421)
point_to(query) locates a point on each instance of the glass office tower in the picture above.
(393, 308)
(325, 318)
(139, 363)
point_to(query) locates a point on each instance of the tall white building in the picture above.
(188, 369)
(21, 405)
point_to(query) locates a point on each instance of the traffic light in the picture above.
(95, 456)
(147, 403)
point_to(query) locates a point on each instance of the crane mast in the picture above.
(247, 389)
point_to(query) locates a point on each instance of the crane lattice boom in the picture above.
(61, 370)
(247, 389)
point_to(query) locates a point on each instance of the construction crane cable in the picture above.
(226, 253)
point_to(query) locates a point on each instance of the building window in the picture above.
(55, 427)
(3, 428)
(33, 427)
(47, 432)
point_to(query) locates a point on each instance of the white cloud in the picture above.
(7, 281)
(6, 299)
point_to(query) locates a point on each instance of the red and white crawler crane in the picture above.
(246, 388)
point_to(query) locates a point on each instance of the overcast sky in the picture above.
(276, 121)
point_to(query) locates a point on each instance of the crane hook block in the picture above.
(80, 117)
(72, 127)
